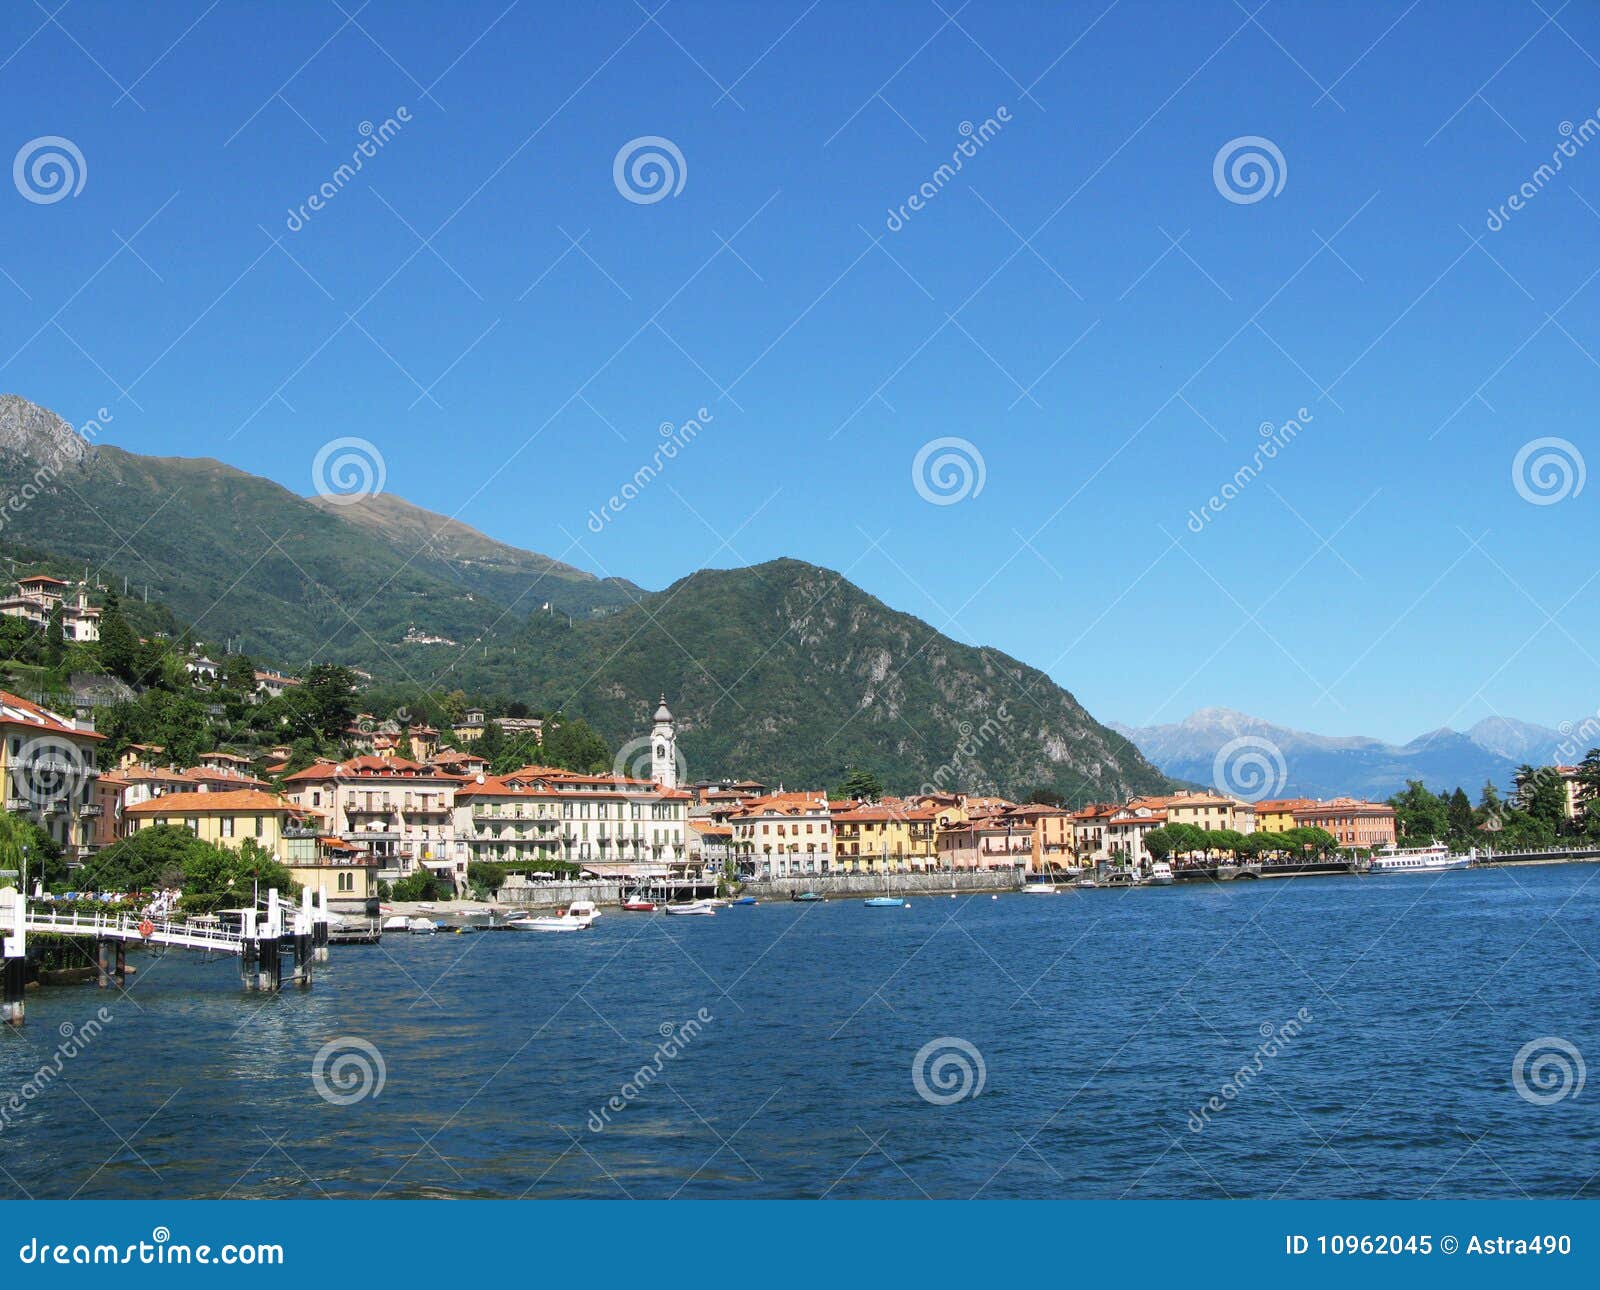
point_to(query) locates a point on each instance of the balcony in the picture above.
(90, 811)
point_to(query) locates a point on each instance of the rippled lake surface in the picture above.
(1358, 1035)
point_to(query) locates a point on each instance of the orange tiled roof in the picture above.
(17, 711)
(244, 799)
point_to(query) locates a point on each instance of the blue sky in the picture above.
(1081, 303)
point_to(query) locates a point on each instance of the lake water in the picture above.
(1104, 1022)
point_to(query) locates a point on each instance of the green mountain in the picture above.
(785, 671)
(451, 550)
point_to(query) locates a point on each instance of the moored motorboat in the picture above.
(693, 907)
(638, 904)
(1160, 875)
(421, 926)
(743, 900)
(806, 896)
(576, 917)
(396, 924)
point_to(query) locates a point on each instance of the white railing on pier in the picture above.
(131, 928)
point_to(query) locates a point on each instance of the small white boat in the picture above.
(1039, 889)
(571, 919)
(693, 907)
(1160, 875)
(421, 926)
(1431, 859)
(396, 924)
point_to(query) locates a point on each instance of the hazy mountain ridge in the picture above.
(1330, 765)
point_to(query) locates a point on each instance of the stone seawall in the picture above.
(876, 884)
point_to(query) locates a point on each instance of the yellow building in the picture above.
(1277, 815)
(224, 819)
(885, 836)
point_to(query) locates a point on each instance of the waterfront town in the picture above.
(403, 807)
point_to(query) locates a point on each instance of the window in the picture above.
(227, 826)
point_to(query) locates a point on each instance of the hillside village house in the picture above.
(783, 835)
(47, 763)
(269, 685)
(401, 811)
(36, 598)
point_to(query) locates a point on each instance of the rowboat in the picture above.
(696, 907)
(743, 900)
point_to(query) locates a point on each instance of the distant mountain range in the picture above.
(1323, 766)
(784, 671)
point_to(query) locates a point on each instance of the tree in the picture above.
(1589, 780)
(330, 702)
(859, 785)
(572, 745)
(221, 878)
(1489, 804)
(26, 846)
(151, 858)
(119, 647)
(1547, 801)
(1420, 817)
(55, 638)
(1462, 822)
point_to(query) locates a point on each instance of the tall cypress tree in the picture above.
(119, 648)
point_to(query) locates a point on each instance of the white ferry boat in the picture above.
(1430, 859)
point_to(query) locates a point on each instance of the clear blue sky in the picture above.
(1382, 575)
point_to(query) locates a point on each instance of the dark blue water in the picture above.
(1104, 1020)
